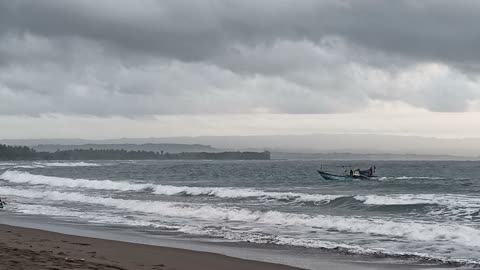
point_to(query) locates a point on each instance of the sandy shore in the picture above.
(22, 248)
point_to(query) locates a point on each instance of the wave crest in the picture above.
(28, 178)
(221, 192)
(418, 231)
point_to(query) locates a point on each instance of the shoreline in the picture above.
(25, 248)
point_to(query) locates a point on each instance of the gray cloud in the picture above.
(181, 57)
(437, 30)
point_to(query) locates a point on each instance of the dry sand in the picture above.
(22, 248)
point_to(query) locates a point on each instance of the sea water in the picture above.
(415, 210)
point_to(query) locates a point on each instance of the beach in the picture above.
(23, 248)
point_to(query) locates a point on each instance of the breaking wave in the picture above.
(102, 218)
(451, 206)
(449, 200)
(28, 178)
(445, 200)
(417, 231)
(7, 164)
(326, 245)
(222, 192)
(28, 166)
(244, 193)
(35, 165)
(235, 235)
(69, 164)
(467, 204)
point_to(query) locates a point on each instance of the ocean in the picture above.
(422, 211)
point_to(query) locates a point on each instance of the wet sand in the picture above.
(22, 248)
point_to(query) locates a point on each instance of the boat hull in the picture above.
(329, 176)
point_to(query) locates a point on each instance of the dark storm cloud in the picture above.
(166, 57)
(194, 30)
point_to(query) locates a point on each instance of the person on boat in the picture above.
(351, 172)
(2, 203)
(370, 171)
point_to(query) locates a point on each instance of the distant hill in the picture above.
(366, 156)
(309, 143)
(167, 148)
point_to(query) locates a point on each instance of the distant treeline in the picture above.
(155, 147)
(17, 153)
(8, 152)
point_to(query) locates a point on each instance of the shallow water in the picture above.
(427, 210)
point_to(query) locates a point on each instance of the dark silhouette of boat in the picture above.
(354, 174)
(2, 203)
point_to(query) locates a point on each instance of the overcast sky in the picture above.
(109, 68)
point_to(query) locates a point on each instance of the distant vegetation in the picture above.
(25, 153)
(17, 153)
(155, 147)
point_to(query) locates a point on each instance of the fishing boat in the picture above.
(354, 174)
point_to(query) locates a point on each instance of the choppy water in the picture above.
(426, 210)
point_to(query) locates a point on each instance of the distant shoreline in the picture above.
(26, 153)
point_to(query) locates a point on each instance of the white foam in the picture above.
(28, 178)
(418, 177)
(67, 164)
(222, 192)
(28, 166)
(449, 200)
(393, 178)
(227, 233)
(453, 206)
(89, 217)
(7, 164)
(468, 204)
(419, 231)
(316, 243)
(55, 164)
(34, 209)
